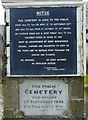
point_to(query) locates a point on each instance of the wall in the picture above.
(12, 95)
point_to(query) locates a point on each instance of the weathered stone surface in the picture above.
(77, 108)
(9, 114)
(0, 55)
(77, 97)
(1, 102)
(10, 92)
(76, 88)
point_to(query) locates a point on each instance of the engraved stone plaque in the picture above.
(44, 97)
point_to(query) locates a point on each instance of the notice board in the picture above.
(43, 41)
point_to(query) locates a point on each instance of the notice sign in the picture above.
(44, 97)
(43, 41)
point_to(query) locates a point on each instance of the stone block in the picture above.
(10, 93)
(75, 93)
(9, 114)
(76, 88)
(77, 108)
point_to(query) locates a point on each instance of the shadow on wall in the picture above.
(0, 54)
(86, 78)
(87, 49)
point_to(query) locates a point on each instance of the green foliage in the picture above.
(86, 79)
(87, 68)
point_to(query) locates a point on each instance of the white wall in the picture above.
(1, 14)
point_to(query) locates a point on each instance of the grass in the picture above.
(86, 79)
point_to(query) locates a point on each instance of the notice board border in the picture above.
(80, 72)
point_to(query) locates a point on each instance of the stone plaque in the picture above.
(43, 41)
(44, 97)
